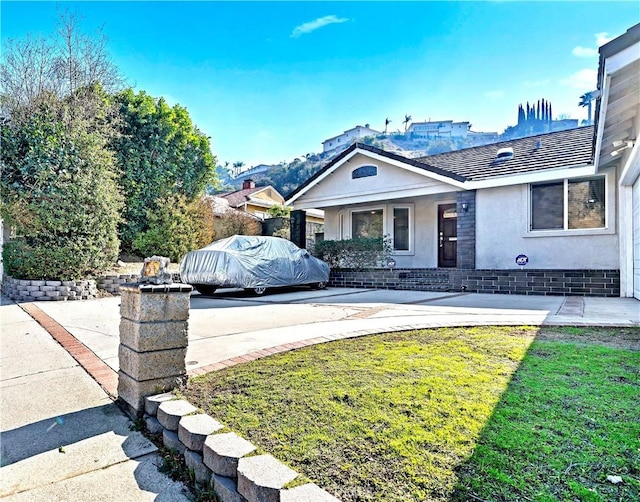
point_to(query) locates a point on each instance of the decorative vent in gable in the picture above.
(364, 172)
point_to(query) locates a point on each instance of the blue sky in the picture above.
(269, 81)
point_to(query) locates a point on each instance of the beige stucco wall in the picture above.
(501, 235)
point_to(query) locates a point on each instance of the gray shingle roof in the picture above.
(571, 147)
(568, 148)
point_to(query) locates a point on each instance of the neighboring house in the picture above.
(617, 122)
(253, 199)
(255, 170)
(459, 220)
(440, 129)
(345, 139)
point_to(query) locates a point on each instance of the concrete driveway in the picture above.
(233, 323)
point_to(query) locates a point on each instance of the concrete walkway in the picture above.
(48, 401)
(62, 436)
(232, 323)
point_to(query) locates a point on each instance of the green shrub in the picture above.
(236, 223)
(59, 198)
(175, 228)
(359, 253)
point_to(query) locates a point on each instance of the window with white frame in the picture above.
(569, 204)
(401, 229)
(391, 220)
(369, 223)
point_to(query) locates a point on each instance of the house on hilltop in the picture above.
(440, 129)
(342, 141)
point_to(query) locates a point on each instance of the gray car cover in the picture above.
(244, 261)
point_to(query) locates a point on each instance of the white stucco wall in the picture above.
(501, 235)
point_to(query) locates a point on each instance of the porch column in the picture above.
(466, 248)
(299, 228)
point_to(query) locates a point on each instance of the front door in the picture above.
(447, 235)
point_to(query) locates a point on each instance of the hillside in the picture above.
(286, 177)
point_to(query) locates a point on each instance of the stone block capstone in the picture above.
(170, 413)
(194, 429)
(222, 452)
(261, 478)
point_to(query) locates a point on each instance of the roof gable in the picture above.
(376, 152)
(239, 197)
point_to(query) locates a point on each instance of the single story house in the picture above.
(527, 216)
(553, 214)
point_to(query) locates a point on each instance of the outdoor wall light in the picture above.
(464, 207)
(621, 145)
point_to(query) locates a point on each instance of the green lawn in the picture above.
(490, 413)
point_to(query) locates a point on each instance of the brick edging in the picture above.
(100, 371)
(259, 354)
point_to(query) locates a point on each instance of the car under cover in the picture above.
(252, 262)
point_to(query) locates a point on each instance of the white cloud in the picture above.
(316, 24)
(589, 52)
(494, 94)
(584, 52)
(585, 80)
(602, 38)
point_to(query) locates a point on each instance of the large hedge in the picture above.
(59, 197)
(176, 227)
(162, 155)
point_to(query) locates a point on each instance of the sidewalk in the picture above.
(62, 436)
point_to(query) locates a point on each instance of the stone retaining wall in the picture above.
(111, 283)
(24, 290)
(223, 460)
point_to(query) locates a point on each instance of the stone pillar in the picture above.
(153, 341)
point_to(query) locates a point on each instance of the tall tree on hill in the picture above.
(521, 116)
(386, 124)
(585, 101)
(407, 119)
(237, 166)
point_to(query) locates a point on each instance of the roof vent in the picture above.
(504, 154)
(538, 144)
